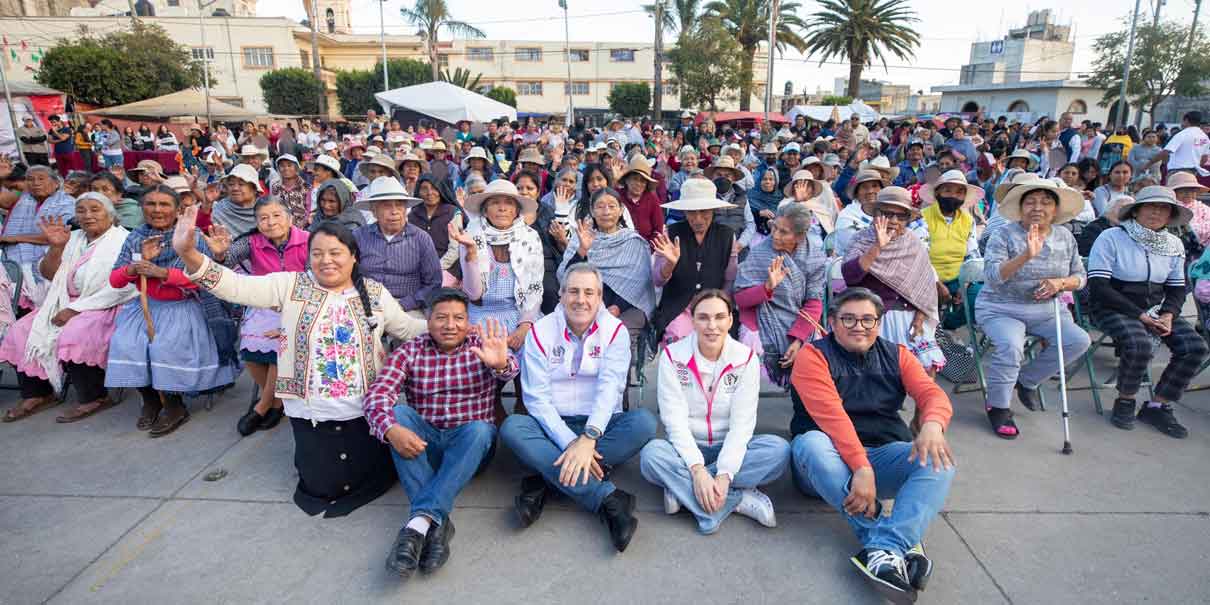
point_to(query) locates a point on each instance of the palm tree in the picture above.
(680, 16)
(862, 31)
(431, 16)
(462, 77)
(748, 22)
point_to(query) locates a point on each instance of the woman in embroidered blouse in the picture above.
(333, 321)
(176, 353)
(71, 329)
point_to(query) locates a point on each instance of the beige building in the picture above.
(101, 8)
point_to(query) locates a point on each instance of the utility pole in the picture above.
(1197, 11)
(773, 9)
(1122, 103)
(382, 36)
(571, 103)
(657, 105)
(12, 114)
(1155, 21)
(201, 25)
(315, 56)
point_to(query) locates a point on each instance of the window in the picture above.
(529, 88)
(236, 101)
(480, 53)
(258, 57)
(1077, 106)
(202, 54)
(305, 58)
(1018, 106)
(529, 53)
(578, 55)
(577, 88)
(621, 55)
(443, 61)
(671, 89)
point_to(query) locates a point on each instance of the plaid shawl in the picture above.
(905, 268)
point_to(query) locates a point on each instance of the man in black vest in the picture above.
(851, 445)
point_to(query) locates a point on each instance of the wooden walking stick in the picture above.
(151, 249)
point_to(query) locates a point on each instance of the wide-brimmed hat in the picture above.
(1011, 176)
(438, 145)
(328, 162)
(724, 163)
(802, 175)
(640, 166)
(1158, 194)
(253, 150)
(1071, 202)
(247, 174)
(498, 188)
(176, 183)
(532, 156)
(883, 165)
(973, 193)
(1024, 155)
(698, 194)
(477, 152)
(286, 157)
(898, 196)
(864, 176)
(151, 166)
(380, 160)
(768, 149)
(1185, 180)
(411, 157)
(831, 159)
(384, 189)
(686, 114)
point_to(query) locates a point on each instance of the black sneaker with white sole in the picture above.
(1162, 418)
(919, 567)
(887, 572)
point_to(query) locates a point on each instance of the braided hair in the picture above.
(345, 236)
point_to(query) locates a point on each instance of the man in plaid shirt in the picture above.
(446, 430)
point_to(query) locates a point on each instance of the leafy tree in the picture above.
(630, 98)
(431, 16)
(860, 30)
(1159, 69)
(748, 23)
(836, 100)
(403, 72)
(503, 94)
(355, 88)
(706, 66)
(291, 91)
(120, 67)
(462, 77)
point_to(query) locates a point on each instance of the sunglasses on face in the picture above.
(891, 214)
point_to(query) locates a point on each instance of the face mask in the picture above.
(949, 204)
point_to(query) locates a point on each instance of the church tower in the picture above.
(333, 15)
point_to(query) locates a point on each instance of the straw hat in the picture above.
(328, 162)
(727, 164)
(898, 196)
(531, 156)
(477, 152)
(1158, 194)
(803, 175)
(384, 189)
(684, 151)
(380, 160)
(697, 194)
(1011, 176)
(768, 149)
(246, 174)
(863, 176)
(438, 145)
(955, 177)
(498, 188)
(176, 183)
(1024, 155)
(253, 150)
(1179, 180)
(151, 166)
(411, 157)
(1071, 202)
(882, 165)
(639, 165)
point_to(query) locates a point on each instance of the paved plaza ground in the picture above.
(97, 512)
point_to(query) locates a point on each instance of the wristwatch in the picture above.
(592, 432)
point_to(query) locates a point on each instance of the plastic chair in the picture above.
(833, 277)
(644, 352)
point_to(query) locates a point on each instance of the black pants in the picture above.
(89, 382)
(37, 159)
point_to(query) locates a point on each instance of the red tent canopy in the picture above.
(746, 117)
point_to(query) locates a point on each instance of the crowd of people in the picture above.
(383, 285)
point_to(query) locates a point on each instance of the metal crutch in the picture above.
(1062, 375)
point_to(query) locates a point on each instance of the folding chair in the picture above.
(834, 283)
(644, 352)
(1084, 320)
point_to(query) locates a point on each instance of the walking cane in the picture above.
(1062, 375)
(143, 301)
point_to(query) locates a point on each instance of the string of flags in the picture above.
(35, 55)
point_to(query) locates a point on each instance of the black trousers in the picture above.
(89, 382)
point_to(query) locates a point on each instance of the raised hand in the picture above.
(151, 248)
(463, 238)
(558, 232)
(184, 240)
(563, 194)
(1034, 241)
(669, 249)
(219, 240)
(777, 272)
(460, 194)
(585, 232)
(494, 351)
(882, 231)
(55, 230)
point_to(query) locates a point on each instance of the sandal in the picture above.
(168, 423)
(80, 412)
(1002, 423)
(19, 412)
(148, 417)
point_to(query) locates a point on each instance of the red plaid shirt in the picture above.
(446, 389)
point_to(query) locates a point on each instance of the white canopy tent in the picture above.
(446, 102)
(823, 113)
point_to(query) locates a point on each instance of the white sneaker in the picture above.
(672, 506)
(755, 505)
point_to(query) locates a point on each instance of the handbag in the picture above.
(959, 359)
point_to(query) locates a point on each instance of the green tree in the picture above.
(355, 88)
(503, 94)
(291, 91)
(706, 66)
(1159, 69)
(862, 31)
(403, 72)
(680, 16)
(431, 16)
(630, 98)
(836, 100)
(120, 67)
(748, 23)
(462, 77)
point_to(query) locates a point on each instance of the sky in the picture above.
(947, 28)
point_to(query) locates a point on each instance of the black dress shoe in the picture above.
(617, 511)
(404, 556)
(437, 547)
(531, 500)
(271, 418)
(250, 421)
(1029, 398)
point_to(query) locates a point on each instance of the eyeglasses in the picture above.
(851, 321)
(900, 216)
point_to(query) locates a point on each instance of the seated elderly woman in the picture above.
(815, 195)
(162, 345)
(638, 196)
(235, 211)
(696, 254)
(863, 189)
(333, 321)
(1136, 274)
(1187, 189)
(70, 330)
(334, 202)
(1028, 261)
(779, 292)
(763, 199)
(953, 236)
(622, 257)
(894, 264)
(22, 241)
(433, 215)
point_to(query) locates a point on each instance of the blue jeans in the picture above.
(919, 492)
(111, 160)
(434, 478)
(624, 436)
(764, 462)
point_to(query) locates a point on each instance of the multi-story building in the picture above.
(100, 8)
(882, 96)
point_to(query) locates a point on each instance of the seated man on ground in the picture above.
(851, 446)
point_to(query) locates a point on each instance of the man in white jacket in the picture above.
(709, 385)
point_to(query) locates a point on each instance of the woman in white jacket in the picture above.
(711, 463)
